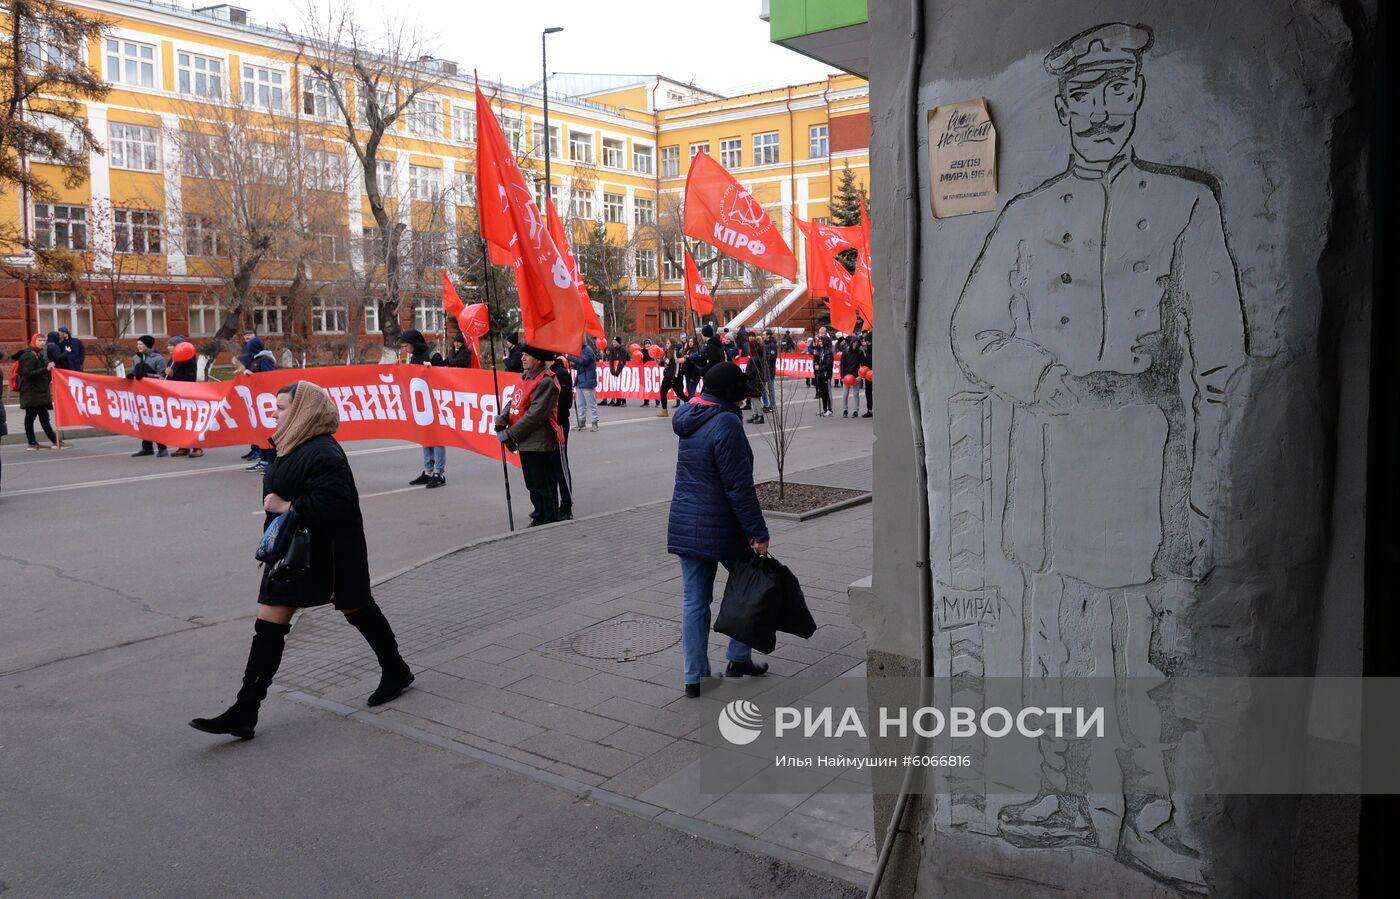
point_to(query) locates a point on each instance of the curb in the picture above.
(645, 810)
(506, 535)
(838, 506)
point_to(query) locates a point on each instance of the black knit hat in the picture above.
(148, 340)
(727, 382)
(708, 330)
(542, 355)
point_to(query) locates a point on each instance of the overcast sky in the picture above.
(720, 44)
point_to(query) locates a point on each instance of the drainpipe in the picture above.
(830, 186)
(792, 156)
(16, 41)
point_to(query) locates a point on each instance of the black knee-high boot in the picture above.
(395, 675)
(264, 656)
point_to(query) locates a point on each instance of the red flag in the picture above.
(451, 303)
(591, 325)
(549, 302)
(862, 292)
(697, 294)
(721, 213)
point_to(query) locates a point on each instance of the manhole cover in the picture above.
(621, 639)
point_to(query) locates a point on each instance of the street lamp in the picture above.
(544, 89)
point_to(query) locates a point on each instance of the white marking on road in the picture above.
(136, 479)
(68, 457)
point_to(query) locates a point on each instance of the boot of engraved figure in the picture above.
(1058, 816)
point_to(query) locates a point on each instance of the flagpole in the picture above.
(495, 380)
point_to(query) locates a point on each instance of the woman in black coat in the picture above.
(36, 391)
(312, 476)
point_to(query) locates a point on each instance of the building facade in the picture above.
(144, 222)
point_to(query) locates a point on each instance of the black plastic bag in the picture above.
(761, 598)
(753, 599)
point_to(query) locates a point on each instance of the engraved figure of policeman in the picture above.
(1105, 308)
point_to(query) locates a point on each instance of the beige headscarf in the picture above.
(311, 413)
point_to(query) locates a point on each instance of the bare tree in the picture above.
(264, 201)
(783, 422)
(374, 81)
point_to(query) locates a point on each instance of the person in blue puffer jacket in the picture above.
(715, 517)
(586, 386)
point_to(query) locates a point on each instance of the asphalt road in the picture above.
(126, 588)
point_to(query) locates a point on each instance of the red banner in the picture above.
(638, 381)
(428, 405)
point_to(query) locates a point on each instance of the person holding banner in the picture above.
(586, 387)
(183, 367)
(529, 427)
(434, 457)
(311, 476)
(715, 516)
(461, 353)
(147, 363)
(36, 391)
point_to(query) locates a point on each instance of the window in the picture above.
(514, 130)
(424, 182)
(672, 319)
(64, 128)
(44, 45)
(581, 204)
(428, 248)
(581, 146)
(329, 316)
(141, 313)
(325, 170)
(203, 318)
(731, 269)
(386, 103)
(765, 148)
(371, 310)
(464, 186)
(822, 220)
(384, 176)
(136, 230)
(199, 76)
(675, 96)
(263, 87)
(670, 162)
(553, 140)
(134, 147)
(424, 117)
(331, 246)
(131, 63)
(464, 124)
(816, 142)
(201, 237)
(317, 98)
(613, 154)
(643, 211)
(59, 226)
(539, 195)
(643, 159)
(428, 314)
(644, 265)
(731, 152)
(614, 208)
(697, 148)
(268, 313)
(267, 162)
(60, 308)
(673, 263)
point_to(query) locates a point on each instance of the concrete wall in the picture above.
(1144, 386)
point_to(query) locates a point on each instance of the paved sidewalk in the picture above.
(556, 652)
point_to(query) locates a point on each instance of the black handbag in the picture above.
(752, 603)
(296, 561)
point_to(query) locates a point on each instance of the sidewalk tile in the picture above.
(631, 738)
(470, 719)
(482, 672)
(646, 716)
(815, 836)
(578, 774)
(550, 667)
(684, 791)
(854, 810)
(580, 753)
(631, 688)
(493, 653)
(570, 721)
(656, 767)
(577, 695)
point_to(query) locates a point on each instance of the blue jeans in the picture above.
(698, 580)
(435, 459)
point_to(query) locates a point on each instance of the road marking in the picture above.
(136, 479)
(68, 457)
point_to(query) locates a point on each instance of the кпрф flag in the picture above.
(721, 213)
(550, 313)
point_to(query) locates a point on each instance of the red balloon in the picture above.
(635, 347)
(657, 352)
(849, 380)
(869, 375)
(601, 344)
(183, 352)
(636, 355)
(802, 346)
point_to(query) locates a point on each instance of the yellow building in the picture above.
(146, 220)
